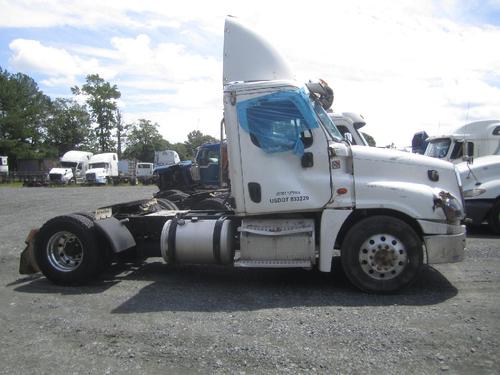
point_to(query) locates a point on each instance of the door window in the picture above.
(279, 122)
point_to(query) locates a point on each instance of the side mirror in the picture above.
(348, 137)
(468, 154)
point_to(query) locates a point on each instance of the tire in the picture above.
(165, 204)
(381, 254)
(494, 218)
(216, 204)
(67, 251)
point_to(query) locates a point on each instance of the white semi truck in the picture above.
(300, 193)
(73, 166)
(103, 169)
(481, 186)
(473, 140)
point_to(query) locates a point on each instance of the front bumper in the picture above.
(445, 248)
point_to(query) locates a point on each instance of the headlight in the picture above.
(473, 192)
(451, 207)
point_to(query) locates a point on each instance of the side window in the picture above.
(114, 157)
(277, 126)
(343, 130)
(213, 156)
(496, 131)
(457, 150)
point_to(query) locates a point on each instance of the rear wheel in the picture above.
(494, 218)
(381, 254)
(67, 251)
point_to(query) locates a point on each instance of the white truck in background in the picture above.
(103, 169)
(144, 173)
(473, 140)
(166, 158)
(481, 186)
(72, 169)
(300, 193)
(350, 123)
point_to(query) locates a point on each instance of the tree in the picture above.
(24, 111)
(121, 132)
(70, 127)
(143, 140)
(101, 98)
(195, 139)
(369, 139)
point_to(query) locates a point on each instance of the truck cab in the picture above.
(103, 168)
(476, 139)
(72, 168)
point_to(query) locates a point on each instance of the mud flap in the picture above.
(27, 264)
(116, 233)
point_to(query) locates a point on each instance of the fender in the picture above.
(117, 234)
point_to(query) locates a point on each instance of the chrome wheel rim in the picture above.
(64, 251)
(383, 257)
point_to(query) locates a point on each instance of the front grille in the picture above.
(55, 177)
(90, 177)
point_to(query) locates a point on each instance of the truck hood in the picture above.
(482, 174)
(387, 178)
(62, 171)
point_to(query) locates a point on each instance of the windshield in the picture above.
(327, 122)
(438, 148)
(68, 164)
(99, 165)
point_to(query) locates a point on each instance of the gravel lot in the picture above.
(158, 319)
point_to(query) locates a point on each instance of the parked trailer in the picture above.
(300, 193)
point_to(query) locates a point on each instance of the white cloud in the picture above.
(405, 65)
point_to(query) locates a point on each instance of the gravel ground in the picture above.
(154, 318)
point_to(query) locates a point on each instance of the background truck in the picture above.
(476, 139)
(300, 194)
(72, 168)
(165, 158)
(144, 173)
(103, 169)
(481, 185)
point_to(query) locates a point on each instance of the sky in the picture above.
(404, 65)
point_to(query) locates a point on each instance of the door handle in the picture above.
(307, 160)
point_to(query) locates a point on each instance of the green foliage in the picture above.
(195, 139)
(143, 140)
(24, 111)
(70, 127)
(369, 139)
(101, 98)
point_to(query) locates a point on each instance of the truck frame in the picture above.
(300, 193)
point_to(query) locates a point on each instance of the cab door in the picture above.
(284, 154)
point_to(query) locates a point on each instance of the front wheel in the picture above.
(67, 251)
(381, 254)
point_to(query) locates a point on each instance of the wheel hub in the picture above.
(65, 251)
(383, 257)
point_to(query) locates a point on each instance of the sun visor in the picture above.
(249, 57)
